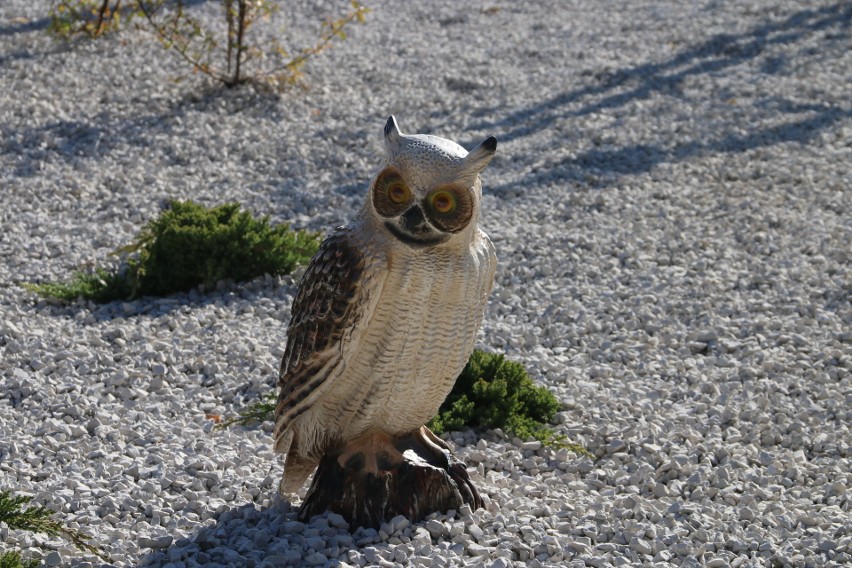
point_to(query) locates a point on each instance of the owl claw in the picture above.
(455, 467)
(377, 477)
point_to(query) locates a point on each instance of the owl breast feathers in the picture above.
(387, 313)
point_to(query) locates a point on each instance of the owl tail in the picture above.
(296, 471)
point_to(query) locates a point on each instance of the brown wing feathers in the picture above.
(322, 311)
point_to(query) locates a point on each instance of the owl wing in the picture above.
(334, 296)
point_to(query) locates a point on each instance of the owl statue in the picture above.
(387, 312)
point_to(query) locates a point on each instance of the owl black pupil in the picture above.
(397, 193)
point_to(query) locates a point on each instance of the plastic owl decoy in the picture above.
(387, 312)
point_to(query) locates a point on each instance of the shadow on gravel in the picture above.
(14, 28)
(717, 53)
(24, 26)
(710, 58)
(106, 132)
(249, 535)
(160, 138)
(227, 295)
(640, 158)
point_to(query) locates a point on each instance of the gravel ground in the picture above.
(671, 208)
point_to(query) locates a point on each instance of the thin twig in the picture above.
(334, 29)
(229, 17)
(99, 23)
(241, 27)
(176, 41)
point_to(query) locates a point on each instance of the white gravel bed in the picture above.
(672, 208)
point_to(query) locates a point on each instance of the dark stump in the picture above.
(375, 478)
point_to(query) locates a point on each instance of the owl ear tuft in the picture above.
(392, 132)
(479, 157)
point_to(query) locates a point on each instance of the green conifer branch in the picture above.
(12, 559)
(39, 519)
(257, 412)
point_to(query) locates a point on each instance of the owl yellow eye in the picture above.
(443, 202)
(398, 193)
(391, 195)
(449, 208)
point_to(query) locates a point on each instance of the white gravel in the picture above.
(671, 207)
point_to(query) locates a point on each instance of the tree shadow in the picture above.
(24, 26)
(641, 158)
(102, 134)
(717, 53)
(22, 53)
(159, 138)
(615, 90)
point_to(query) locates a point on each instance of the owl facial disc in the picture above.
(429, 189)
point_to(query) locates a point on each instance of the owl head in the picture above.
(429, 189)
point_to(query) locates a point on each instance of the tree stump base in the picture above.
(377, 477)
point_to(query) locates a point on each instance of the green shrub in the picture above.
(492, 392)
(190, 245)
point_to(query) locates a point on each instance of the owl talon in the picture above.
(456, 468)
(377, 477)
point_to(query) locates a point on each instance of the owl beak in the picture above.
(412, 228)
(414, 221)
